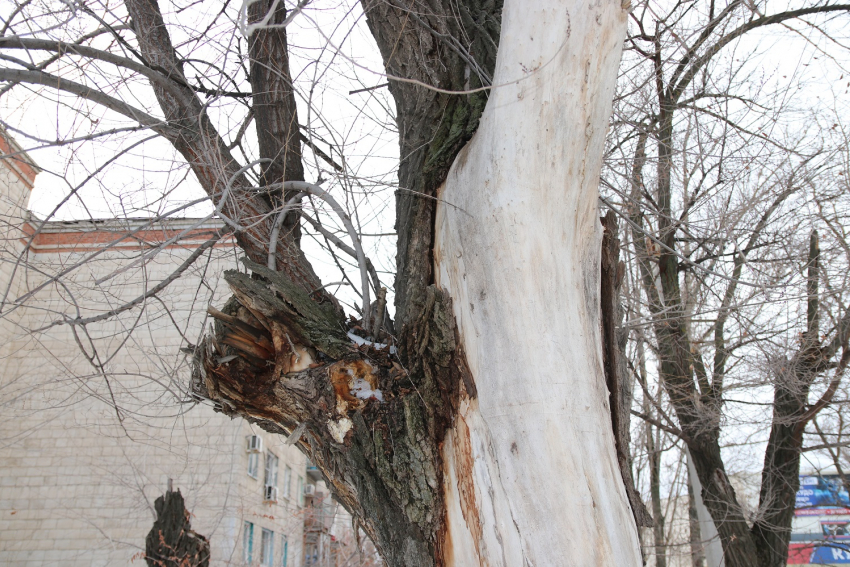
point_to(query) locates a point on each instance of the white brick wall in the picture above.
(76, 484)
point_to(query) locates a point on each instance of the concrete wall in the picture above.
(95, 419)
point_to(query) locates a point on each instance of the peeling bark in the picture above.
(452, 45)
(518, 244)
(372, 427)
(408, 440)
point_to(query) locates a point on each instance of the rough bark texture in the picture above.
(371, 426)
(294, 364)
(280, 355)
(171, 542)
(616, 376)
(451, 45)
(274, 110)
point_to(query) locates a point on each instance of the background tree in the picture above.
(720, 188)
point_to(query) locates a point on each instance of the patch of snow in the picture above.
(361, 341)
(363, 390)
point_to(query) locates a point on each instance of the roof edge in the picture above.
(17, 160)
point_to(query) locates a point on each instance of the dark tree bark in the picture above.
(791, 414)
(452, 46)
(614, 339)
(696, 392)
(171, 541)
(274, 110)
(280, 354)
(193, 135)
(383, 464)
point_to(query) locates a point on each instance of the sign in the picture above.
(821, 491)
(820, 531)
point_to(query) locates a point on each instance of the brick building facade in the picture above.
(95, 418)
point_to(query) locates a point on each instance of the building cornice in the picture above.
(17, 160)
(56, 237)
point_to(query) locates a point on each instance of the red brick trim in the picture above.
(75, 241)
(20, 164)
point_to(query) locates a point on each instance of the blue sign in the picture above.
(817, 491)
(820, 533)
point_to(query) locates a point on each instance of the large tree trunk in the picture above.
(487, 439)
(531, 475)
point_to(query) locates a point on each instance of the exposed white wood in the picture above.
(531, 477)
(712, 547)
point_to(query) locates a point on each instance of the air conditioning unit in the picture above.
(270, 494)
(309, 490)
(255, 444)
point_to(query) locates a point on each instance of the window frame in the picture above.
(254, 465)
(271, 458)
(267, 555)
(247, 542)
(287, 481)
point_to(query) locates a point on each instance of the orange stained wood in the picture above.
(465, 485)
(343, 376)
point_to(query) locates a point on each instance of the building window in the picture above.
(284, 556)
(253, 464)
(247, 542)
(312, 557)
(287, 478)
(300, 494)
(268, 548)
(271, 469)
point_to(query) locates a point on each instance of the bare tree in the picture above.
(717, 230)
(440, 429)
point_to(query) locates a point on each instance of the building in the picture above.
(330, 539)
(95, 419)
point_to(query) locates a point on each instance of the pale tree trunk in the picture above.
(654, 457)
(531, 475)
(694, 532)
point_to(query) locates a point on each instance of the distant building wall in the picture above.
(78, 477)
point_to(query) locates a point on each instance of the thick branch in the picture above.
(88, 93)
